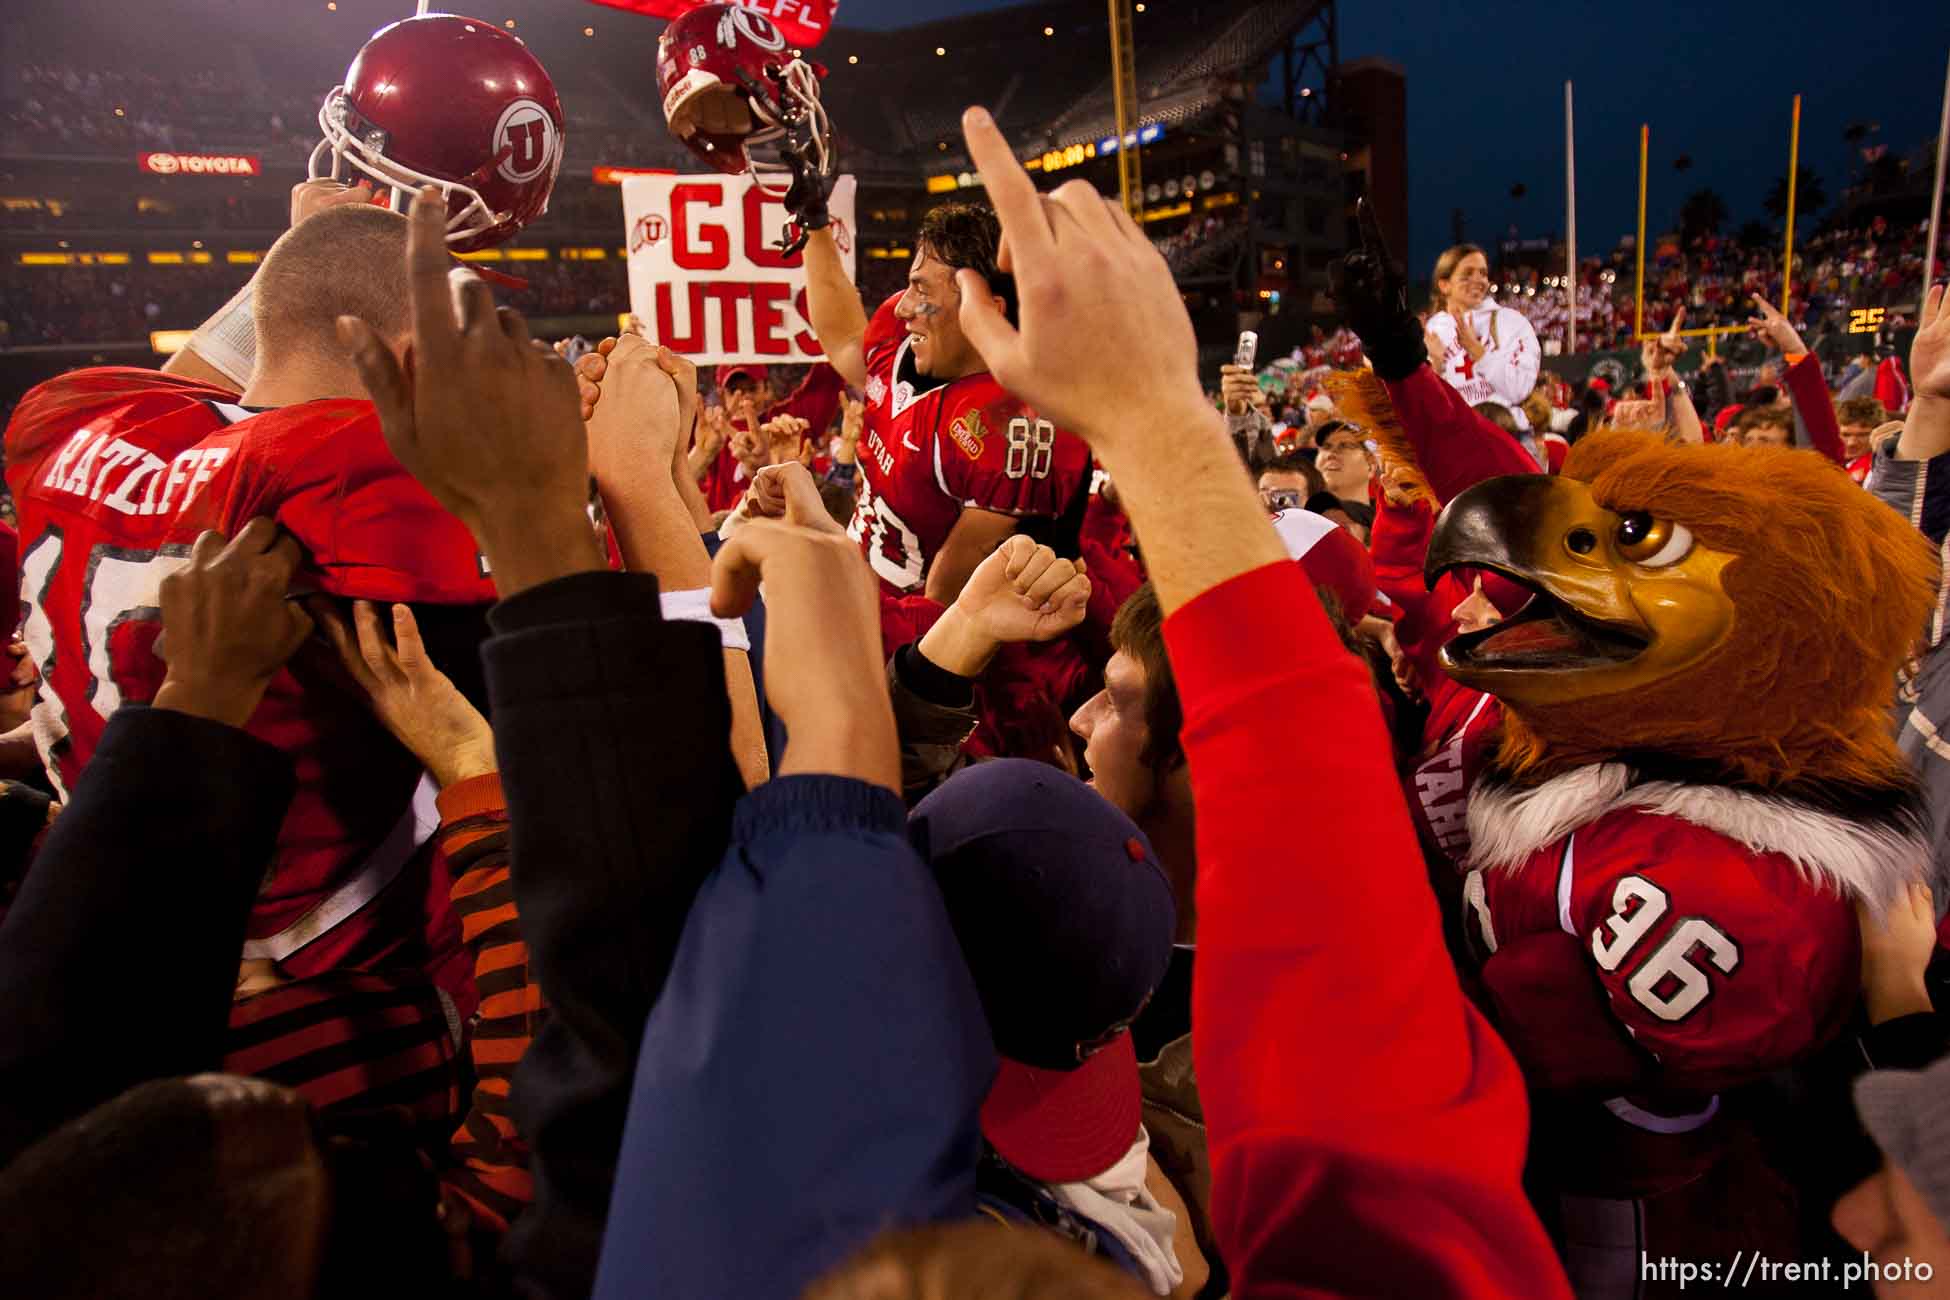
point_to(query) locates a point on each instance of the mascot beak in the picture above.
(1548, 535)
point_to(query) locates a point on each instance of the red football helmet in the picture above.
(454, 102)
(730, 82)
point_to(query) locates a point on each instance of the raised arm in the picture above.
(1424, 1170)
(1803, 380)
(611, 724)
(839, 319)
(1926, 428)
(1453, 447)
(427, 714)
(640, 398)
(822, 927)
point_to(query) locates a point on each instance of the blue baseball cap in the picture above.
(1065, 919)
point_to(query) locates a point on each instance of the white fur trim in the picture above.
(1566, 877)
(1856, 859)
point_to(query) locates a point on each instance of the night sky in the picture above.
(1714, 80)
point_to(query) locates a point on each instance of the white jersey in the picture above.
(1507, 370)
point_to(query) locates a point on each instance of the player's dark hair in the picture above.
(966, 236)
(1139, 631)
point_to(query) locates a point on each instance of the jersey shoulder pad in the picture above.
(996, 453)
(370, 530)
(52, 411)
(883, 336)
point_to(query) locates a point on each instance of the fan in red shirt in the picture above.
(116, 471)
(950, 464)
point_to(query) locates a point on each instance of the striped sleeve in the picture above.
(490, 1169)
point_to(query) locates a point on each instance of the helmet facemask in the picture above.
(353, 144)
(797, 124)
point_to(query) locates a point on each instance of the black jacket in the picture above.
(613, 732)
(119, 956)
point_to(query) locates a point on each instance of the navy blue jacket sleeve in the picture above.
(119, 957)
(813, 1071)
(613, 731)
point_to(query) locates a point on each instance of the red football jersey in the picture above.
(1708, 964)
(928, 453)
(114, 473)
(1439, 781)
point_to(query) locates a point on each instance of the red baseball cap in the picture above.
(1332, 558)
(734, 369)
(1066, 1126)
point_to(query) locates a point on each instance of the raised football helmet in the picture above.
(454, 102)
(730, 83)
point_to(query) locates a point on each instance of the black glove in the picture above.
(806, 198)
(1372, 297)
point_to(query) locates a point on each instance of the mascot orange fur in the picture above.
(1696, 783)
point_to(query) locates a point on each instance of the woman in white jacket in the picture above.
(1486, 352)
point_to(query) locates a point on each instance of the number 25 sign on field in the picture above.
(706, 275)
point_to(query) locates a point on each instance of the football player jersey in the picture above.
(929, 452)
(1440, 777)
(115, 472)
(1648, 955)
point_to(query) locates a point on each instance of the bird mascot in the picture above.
(1695, 783)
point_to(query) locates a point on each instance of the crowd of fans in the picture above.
(1839, 269)
(1203, 246)
(108, 304)
(53, 108)
(986, 814)
(59, 108)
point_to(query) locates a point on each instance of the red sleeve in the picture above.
(1817, 411)
(816, 400)
(1351, 1094)
(1398, 543)
(48, 413)
(1455, 448)
(1892, 386)
(993, 453)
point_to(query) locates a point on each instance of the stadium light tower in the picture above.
(1123, 62)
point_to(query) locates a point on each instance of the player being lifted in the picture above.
(116, 471)
(950, 464)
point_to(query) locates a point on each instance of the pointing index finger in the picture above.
(1017, 205)
(435, 333)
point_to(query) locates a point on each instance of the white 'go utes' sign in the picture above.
(706, 276)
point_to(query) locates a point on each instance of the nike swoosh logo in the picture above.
(908, 443)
